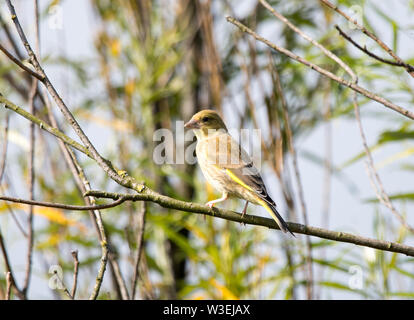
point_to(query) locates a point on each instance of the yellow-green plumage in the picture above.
(227, 167)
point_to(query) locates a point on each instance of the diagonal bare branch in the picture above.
(405, 112)
(171, 203)
(63, 206)
(409, 68)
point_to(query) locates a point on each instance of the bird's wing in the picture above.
(225, 153)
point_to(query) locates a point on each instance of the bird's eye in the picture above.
(205, 119)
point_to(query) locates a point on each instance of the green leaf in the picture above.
(402, 294)
(341, 286)
(404, 272)
(399, 196)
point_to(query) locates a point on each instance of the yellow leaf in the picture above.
(398, 156)
(115, 47)
(52, 214)
(211, 192)
(129, 87)
(198, 232)
(52, 241)
(197, 297)
(116, 124)
(225, 293)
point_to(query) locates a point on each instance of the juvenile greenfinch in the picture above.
(227, 166)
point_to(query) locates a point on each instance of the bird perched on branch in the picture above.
(227, 166)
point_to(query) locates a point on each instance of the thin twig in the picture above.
(31, 166)
(13, 215)
(104, 260)
(83, 185)
(290, 136)
(70, 158)
(4, 150)
(283, 174)
(75, 273)
(43, 125)
(323, 71)
(9, 36)
(372, 172)
(13, 283)
(292, 151)
(273, 152)
(383, 196)
(31, 171)
(306, 37)
(62, 285)
(8, 285)
(327, 165)
(171, 203)
(90, 149)
(20, 64)
(328, 154)
(365, 50)
(409, 68)
(353, 85)
(140, 245)
(81, 182)
(104, 164)
(64, 206)
(116, 271)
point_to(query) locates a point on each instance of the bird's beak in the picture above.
(192, 124)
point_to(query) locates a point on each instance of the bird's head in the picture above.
(205, 121)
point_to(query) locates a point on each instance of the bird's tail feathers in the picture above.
(277, 217)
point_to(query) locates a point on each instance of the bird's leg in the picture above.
(245, 209)
(224, 197)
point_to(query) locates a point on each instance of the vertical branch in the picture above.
(211, 56)
(8, 268)
(327, 184)
(376, 180)
(140, 246)
(104, 164)
(372, 172)
(328, 154)
(8, 285)
(83, 186)
(4, 149)
(82, 182)
(104, 257)
(292, 151)
(31, 168)
(13, 215)
(75, 273)
(31, 171)
(62, 285)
